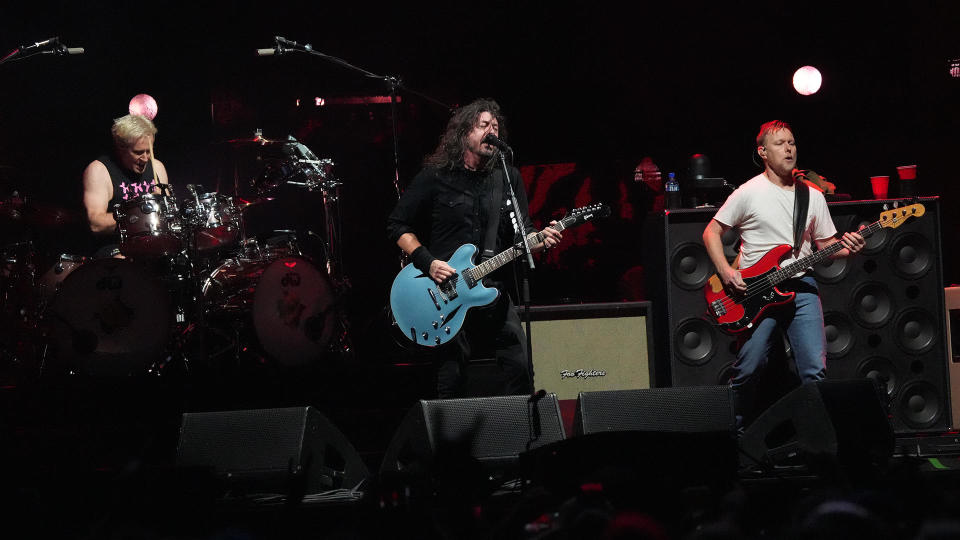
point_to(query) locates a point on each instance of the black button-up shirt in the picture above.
(447, 208)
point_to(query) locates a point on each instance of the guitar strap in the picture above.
(801, 202)
(493, 215)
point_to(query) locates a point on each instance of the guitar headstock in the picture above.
(896, 217)
(584, 214)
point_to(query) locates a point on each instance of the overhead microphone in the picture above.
(495, 141)
(282, 45)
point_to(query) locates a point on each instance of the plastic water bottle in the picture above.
(672, 188)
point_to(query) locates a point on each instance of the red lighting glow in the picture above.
(807, 80)
(143, 105)
(291, 264)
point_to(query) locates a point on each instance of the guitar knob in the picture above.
(425, 335)
(436, 325)
(438, 340)
(447, 330)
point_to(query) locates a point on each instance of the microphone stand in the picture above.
(525, 280)
(393, 83)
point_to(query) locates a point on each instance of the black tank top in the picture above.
(126, 183)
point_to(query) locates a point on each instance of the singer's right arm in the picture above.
(97, 192)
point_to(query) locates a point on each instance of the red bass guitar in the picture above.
(739, 311)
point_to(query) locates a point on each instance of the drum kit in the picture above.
(190, 268)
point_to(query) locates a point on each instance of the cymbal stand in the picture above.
(283, 45)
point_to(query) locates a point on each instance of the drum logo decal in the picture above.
(290, 309)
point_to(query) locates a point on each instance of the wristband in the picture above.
(421, 259)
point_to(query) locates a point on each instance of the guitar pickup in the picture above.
(718, 309)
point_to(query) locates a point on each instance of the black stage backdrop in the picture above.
(588, 89)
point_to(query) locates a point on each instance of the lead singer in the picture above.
(447, 205)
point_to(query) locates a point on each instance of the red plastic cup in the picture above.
(907, 172)
(879, 184)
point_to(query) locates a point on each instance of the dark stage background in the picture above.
(592, 86)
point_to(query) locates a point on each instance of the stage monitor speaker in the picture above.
(691, 409)
(690, 351)
(493, 430)
(288, 450)
(843, 420)
(952, 300)
(587, 347)
(883, 313)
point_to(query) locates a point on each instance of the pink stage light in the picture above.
(143, 105)
(807, 80)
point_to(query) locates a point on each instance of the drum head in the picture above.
(110, 317)
(293, 311)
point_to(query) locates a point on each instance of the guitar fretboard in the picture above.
(821, 255)
(481, 270)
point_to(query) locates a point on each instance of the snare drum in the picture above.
(149, 226)
(216, 220)
(110, 318)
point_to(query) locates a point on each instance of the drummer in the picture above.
(129, 172)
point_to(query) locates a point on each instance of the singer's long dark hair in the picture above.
(449, 153)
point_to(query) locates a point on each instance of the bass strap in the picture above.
(801, 202)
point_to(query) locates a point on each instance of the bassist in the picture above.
(763, 211)
(448, 204)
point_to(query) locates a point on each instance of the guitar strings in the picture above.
(762, 285)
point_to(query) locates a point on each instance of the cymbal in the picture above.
(15, 210)
(252, 141)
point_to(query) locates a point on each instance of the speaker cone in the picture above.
(694, 342)
(872, 304)
(916, 330)
(832, 270)
(880, 369)
(912, 255)
(839, 333)
(874, 243)
(690, 266)
(731, 244)
(919, 405)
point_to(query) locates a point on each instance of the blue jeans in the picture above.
(803, 321)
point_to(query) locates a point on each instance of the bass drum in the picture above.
(291, 303)
(110, 318)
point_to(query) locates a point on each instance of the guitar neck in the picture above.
(483, 269)
(819, 256)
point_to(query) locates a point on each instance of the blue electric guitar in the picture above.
(430, 314)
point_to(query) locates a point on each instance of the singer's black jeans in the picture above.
(495, 328)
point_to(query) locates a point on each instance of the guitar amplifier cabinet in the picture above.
(883, 309)
(587, 347)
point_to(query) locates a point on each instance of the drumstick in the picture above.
(153, 165)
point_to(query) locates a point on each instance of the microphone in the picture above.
(495, 141)
(283, 45)
(40, 45)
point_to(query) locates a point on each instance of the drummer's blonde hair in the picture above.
(127, 130)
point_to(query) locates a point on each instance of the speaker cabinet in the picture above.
(952, 299)
(588, 347)
(286, 450)
(691, 409)
(841, 420)
(493, 430)
(690, 351)
(883, 313)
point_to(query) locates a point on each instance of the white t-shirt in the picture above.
(762, 213)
